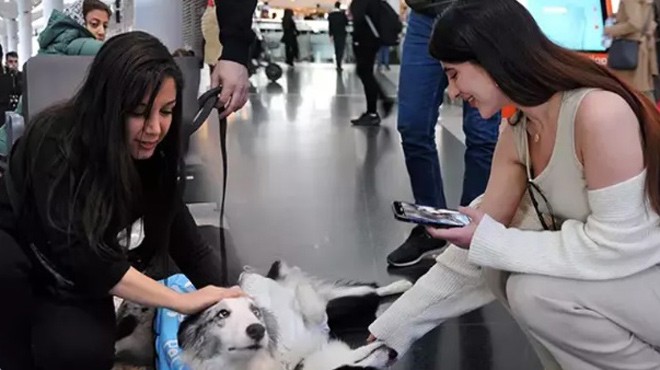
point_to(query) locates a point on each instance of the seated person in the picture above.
(11, 68)
(90, 199)
(584, 147)
(78, 30)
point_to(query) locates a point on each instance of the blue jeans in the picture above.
(422, 83)
(383, 56)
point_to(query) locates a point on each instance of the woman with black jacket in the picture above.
(94, 198)
(290, 36)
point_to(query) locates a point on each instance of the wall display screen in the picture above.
(573, 24)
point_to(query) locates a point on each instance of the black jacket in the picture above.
(362, 32)
(235, 22)
(79, 271)
(337, 22)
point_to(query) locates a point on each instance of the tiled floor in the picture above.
(307, 187)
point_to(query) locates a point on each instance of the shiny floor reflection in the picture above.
(307, 187)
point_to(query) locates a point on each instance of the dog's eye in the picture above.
(223, 313)
(257, 313)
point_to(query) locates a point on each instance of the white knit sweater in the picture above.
(620, 237)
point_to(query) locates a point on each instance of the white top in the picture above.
(619, 236)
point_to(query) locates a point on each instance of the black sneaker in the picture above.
(367, 119)
(418, 245)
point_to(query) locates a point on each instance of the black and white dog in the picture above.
(283, 325)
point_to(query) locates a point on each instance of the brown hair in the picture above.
(90, 5)
(502, 37)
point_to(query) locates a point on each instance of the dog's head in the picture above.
(337, 356)
(231, 331)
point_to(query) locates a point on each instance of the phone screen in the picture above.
(429, 215)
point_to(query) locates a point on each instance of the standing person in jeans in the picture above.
(422, 83)
(337, 22)
(365, 46)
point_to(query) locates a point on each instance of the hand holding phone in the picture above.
(429, 216)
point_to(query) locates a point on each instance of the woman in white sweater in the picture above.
(583, 280)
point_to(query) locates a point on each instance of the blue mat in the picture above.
(166, 327)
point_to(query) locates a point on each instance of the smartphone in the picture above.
(423, 215)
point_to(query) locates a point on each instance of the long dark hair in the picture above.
(96, 174)
(503, 38)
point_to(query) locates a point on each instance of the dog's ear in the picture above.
(273, 329)
(274, 272)
(195, 341)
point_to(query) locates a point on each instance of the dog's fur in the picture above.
(243, 334)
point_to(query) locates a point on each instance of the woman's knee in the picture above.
(68, 352)
(528, 297)
(74, 336)
(15, 266)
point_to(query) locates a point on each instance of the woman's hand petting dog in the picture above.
(197, 301)
(460, 236)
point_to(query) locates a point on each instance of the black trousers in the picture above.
(291, 51)
(44, 333)
(365, 59)
(340, 46)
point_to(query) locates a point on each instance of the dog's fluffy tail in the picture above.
(396, 287)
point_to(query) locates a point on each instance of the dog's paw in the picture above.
(396, 287)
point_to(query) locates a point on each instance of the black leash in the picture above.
(207, 102)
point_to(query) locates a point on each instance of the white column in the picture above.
(4, 39)
(11, 27)
(161, 18)
(24, 29)
(49, 6)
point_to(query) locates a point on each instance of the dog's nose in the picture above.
(256, 331)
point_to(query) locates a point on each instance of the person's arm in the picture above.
(139, 288)
(636, 19)
(235, 21)
(359, 10)
(620, 236)
(331, 24)
(82, 267)
(236, 37)
(507, 182)
(449, 289)
(197, 260)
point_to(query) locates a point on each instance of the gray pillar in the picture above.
(49, 6)
(24, 29)
(161, 18)
(4, 39)
(11, 26)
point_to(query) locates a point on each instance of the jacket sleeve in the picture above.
(86, 46)
(619, 238)
(635, 19)
(197, 260)
(359, 10)
(452, 287)
(235, 22)
(67, 249)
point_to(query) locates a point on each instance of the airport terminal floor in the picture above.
(307, 187)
